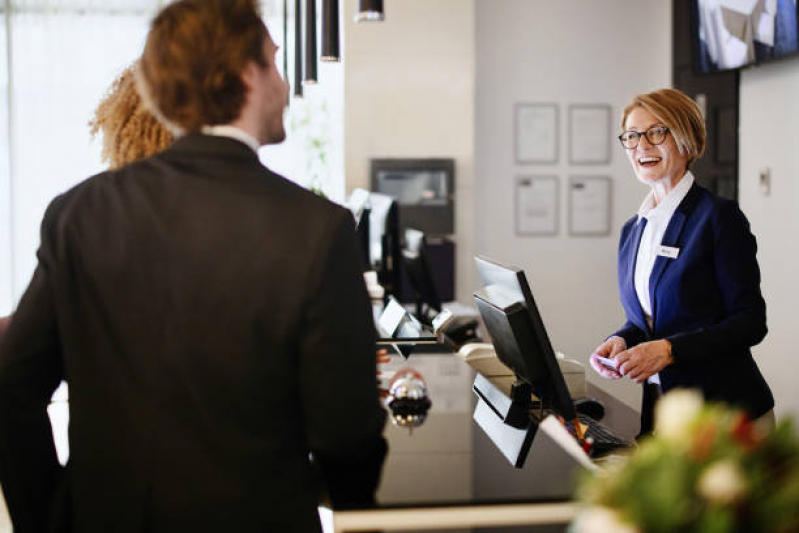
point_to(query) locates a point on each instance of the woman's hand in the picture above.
(608, 349)
(645, 360)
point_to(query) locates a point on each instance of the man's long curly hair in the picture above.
(130, 131)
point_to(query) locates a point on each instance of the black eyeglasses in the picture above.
(655, 135)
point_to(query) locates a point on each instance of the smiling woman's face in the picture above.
(653, 164)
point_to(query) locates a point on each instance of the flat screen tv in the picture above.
(730, 34)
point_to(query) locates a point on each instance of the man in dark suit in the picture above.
(209, 317)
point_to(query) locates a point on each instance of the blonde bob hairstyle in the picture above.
(675, 110)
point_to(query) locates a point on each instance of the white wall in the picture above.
(769, 120)
(566, 52)
(409, 92)
(6, 270)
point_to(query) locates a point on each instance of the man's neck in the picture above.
(234, 132)
(249, 127)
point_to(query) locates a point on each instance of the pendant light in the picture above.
(330, 33)
(310, 42)
(298, 48)
(370, 11)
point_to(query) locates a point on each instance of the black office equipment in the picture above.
(521, 342)
(605, 440)
(417, 266)
(384, 244)
(362, 230)
(378, 230)
(424, 189)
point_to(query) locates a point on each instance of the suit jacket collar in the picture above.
(214, 146)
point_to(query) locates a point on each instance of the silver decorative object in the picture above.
(407, 399)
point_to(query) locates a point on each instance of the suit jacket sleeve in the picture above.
(631, 334)
(738, 275)
(30, 370)
(341, 406)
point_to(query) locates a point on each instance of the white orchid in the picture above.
(674, 414)
(722, 482)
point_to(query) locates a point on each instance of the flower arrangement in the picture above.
(708, 468)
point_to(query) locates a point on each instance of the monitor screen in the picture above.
(423, 188)
(730, 34)
(419, 187)
(517, 331)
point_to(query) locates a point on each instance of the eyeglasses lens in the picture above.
(630, 139)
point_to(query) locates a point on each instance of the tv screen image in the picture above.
(731, 34)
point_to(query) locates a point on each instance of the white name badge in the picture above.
(668, 251)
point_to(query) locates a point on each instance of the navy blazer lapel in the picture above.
(671, 238)
(630, 253)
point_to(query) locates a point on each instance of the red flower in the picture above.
(743, 431)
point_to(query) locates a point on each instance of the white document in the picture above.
(589, 205)
(537, 205)
(536, 133)
(589, 134)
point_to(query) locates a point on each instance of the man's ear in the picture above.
(249, 75)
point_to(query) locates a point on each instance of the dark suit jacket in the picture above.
(706, 301)
(213, 325)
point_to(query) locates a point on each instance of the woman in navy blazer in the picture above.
(688, 276)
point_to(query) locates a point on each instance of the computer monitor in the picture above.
(378, 228)
(520, 339)
(358, 204)
(424, 189)
(362, 231)
(417, 266)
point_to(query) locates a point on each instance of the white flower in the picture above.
(722, 482)
(675, 412)
(601, 520)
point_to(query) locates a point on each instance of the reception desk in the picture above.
(447, 475)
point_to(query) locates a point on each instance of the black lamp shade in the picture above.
(297, 47)
(330, 33)
(310, 42)
(370, 11)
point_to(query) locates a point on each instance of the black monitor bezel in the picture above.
(513, 279)
(416, 261)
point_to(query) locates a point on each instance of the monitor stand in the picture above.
(507, 421)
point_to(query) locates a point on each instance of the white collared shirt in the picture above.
(226, 130)
(657, 220)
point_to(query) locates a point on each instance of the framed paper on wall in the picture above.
(589, 134)
(589, 205)
(536, 133)
(536, 205)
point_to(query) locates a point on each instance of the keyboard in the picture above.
(605, 440)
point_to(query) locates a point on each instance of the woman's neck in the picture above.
(664, 186)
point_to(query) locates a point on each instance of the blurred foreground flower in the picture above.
(708, 468)
(674, 415)
(602, 520)
(722, 482)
